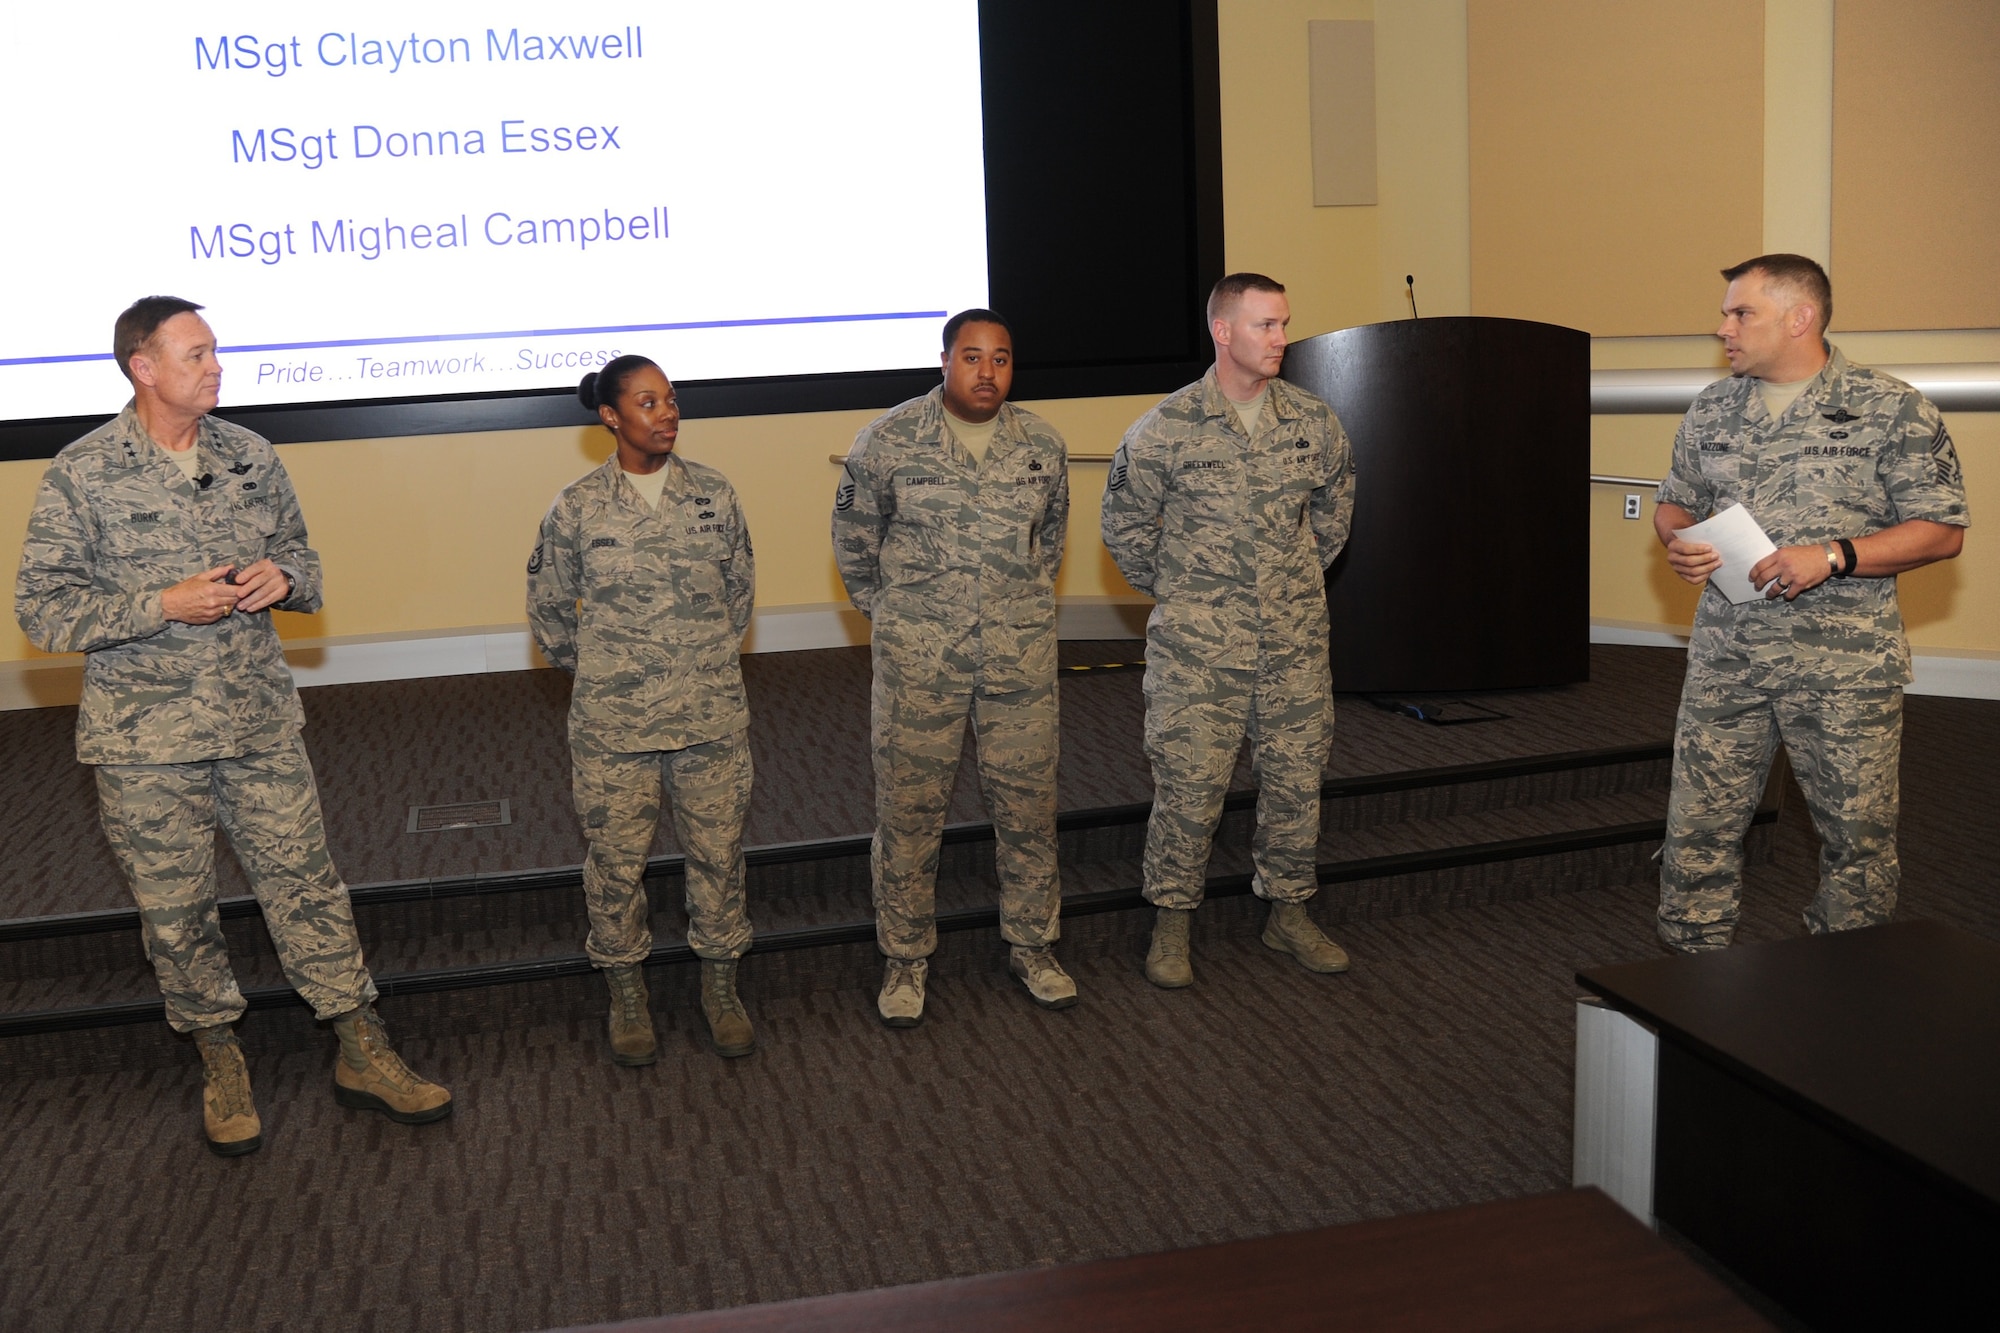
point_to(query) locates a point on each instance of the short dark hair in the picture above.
(1230, 290)
(977, 315)
(141, 320)
(605, 387)
(1802, 278)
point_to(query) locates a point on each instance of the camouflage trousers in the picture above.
(618, 801)
(1196, 719)
(917, 735)
(160, 820)
(1845, 746)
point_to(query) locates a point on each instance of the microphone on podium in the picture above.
(1410, 281)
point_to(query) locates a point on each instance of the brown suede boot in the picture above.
(728, 1026)
(1290, 930)
(631, 1022)
(228, 1114)
(1167, 963)
(370, 1076)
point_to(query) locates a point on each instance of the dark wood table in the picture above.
(1828, 1117)
(1573, 1260)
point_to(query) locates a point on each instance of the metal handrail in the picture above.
(1972, 386)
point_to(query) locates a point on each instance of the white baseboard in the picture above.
(394, 657)
(57, 681)
(51, 682)
(1637, 634)
(1942, 671)
(793, 629)
(1101, 617)
(48, 682)
(1956, 675)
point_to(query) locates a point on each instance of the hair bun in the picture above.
(586, 391)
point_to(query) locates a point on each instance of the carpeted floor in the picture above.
(843, 1155)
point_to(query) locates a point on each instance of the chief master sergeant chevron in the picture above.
(1853, 475)
(948, 527)
(158, 545)
(1225, 504)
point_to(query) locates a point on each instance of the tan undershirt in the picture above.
(976, 436)
(1251, 414)
(187, 460)
(650, 485)
(1778, 397)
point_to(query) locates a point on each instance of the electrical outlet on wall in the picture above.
(1631, 504)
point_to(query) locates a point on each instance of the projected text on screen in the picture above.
(495, 197)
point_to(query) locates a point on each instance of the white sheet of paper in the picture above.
(1740, 541)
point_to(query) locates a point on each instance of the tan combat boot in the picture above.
(631, 1022)
(728, 1026)
(901, 1002)
(1048, 985)
(228, 1115)
(1167, 963)
(1291, 931)
(370, 1076)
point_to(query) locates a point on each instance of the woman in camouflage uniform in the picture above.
(641, 587)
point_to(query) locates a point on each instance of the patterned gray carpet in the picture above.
(843, 1155)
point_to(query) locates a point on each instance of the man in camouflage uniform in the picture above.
(1853, 476)
(158, 544)
(1225, 504)
(645, 602)
(948, 526)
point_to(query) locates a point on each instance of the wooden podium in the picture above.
(1469, 564)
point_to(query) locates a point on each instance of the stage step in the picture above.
(1410, 866)
(836, 869)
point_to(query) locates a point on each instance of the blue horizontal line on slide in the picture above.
(517, 333)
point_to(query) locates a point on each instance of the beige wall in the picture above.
(1616, 150)
(427, 535)
(1916, 168)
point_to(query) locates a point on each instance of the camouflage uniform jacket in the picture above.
(1231, 536)
(646, 607)
(1859, 451)
(115, 525)
(954, 562)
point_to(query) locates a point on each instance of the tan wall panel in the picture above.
(1916, 164)
(1617, 159)
(1343, 111)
